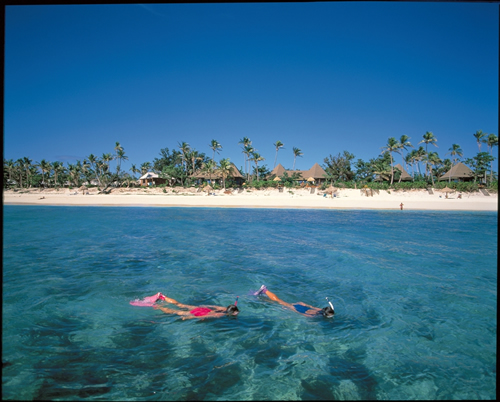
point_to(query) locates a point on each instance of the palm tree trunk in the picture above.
(392, 169)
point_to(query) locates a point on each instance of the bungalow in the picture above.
(459, 172)
(315, 174)
(202, 175)
(151, 179)
(404, 174)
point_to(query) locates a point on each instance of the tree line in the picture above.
(177, 166)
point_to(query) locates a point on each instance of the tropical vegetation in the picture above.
(179, 166)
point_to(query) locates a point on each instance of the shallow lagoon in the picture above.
(415, 295)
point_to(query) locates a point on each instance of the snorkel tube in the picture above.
(330, 303)
(326, 312)
(236, 302)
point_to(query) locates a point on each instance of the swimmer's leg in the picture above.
(275, 298)
(180, 305)
(172, 311)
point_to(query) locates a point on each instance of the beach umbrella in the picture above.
(208, 189)
(447, 190)
(277, 179)
(310, 179)
(330, 190)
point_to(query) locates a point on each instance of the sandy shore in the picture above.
(345, 199)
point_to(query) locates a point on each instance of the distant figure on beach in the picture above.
(459, 195)
(299, 307)
(401, 205)
(187, 312)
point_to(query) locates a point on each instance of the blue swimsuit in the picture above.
(302, 309)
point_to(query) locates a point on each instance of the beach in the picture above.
(268, 198)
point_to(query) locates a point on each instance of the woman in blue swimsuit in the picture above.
(299, 307)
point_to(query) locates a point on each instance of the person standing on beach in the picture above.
(299, 307)
(401, 206)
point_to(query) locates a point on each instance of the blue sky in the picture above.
(323, 77)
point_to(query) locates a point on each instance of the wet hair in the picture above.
(328, 312)
(231, 309)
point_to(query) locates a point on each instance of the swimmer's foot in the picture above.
(262, 290)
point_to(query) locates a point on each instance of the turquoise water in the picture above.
(415, 295)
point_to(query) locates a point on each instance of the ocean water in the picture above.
(415, 296)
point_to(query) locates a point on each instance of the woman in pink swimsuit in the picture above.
(201, 312)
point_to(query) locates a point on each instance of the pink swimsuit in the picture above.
(200, 311)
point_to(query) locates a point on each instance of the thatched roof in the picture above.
(278, 170)
(316, 172)
(404, 174)
(459, 171)
(199, 174)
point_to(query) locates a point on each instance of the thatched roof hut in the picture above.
(458, 172)
(404, 174)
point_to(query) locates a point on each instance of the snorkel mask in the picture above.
(231, 309)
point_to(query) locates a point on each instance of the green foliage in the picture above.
(339, 167)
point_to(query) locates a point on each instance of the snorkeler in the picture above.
(299, 307)
(201, 312)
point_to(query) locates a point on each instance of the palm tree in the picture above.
(87, 171)
(403, 145)
(419, 156)
(410, 160)
(27, 166)
(433, 159)
(58, 168)
(215, 148)
(256, 157)
(296, 152)
(209, 168)
(120, 156)
(185, 148)
(19, 169)
(245, 141)
(479, 138)
(455, 151)
(118, 150)
(194, 157)
(392, 146)
(225, 169)
(248, 151)
(277, 145)
(145, 167)
(10, 167)
(44, 168)
(492, 141)
(429, 138)
(134, 170)
(94, 164)
(74, 171)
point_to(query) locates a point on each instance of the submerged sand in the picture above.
(270, 198)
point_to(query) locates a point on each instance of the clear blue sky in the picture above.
(323, 77)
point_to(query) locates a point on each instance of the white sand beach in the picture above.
(270, 198)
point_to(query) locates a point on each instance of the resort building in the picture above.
(202, 175)
(315, 174)
(151, 179)
(459, 172)
(404, 174)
